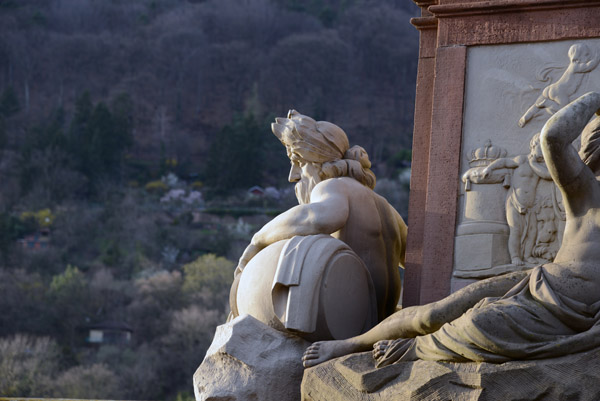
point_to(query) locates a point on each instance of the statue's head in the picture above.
(319, 150)
(579, 53)
(590, 145)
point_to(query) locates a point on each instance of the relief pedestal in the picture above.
(481, 243)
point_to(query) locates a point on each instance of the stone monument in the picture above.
(504, 294)
(552, 314)
(325, 269)
(490, 75)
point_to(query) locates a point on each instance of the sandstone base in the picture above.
(354, 377)
(249, 360)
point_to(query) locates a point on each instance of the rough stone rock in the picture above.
(354, 377)
(249, 360)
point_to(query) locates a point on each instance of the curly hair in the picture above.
(326, 144)
(355, 164)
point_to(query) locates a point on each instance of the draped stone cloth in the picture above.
(296, 288)
(532, 321)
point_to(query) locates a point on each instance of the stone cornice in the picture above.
(424, 22)
(425, 3)
(505, 6)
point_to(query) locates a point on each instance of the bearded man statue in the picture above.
(329, 267)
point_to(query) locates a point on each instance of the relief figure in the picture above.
(528, 170)
(546, 242)
(554, 96)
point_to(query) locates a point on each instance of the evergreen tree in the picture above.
(102, 155)
(9, 103)
(122, 111)
(81, 135)
(236, 157)
(9, 106)
(2, 133)
(99, 136)
(48, 134)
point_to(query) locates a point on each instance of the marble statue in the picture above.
(554, 96)
(553, 311)
(309, 270)
(528, 170)
(325, 269)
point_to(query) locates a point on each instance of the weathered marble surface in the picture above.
(355, 377)
(551, 313)
(327, 268)
(249, 360)
(343, 239)
(510, 93)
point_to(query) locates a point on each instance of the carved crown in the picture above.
(486, 154)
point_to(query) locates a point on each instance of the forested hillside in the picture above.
(130, 132)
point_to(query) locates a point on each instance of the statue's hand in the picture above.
(250, 251)
(486, 172)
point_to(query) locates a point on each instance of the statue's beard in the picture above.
(303, 189)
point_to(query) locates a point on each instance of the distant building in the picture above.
(37, 241)
(256, 191)
(109, 333)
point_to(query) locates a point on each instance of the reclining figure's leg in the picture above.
(415, 320)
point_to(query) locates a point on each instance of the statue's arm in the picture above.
(564, 164)
(504, 162)
(326, 214)
(403, 235)
(590, 65)
(541, 170)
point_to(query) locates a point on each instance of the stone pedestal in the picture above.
(479, 252)
(354, 377)
(249, 360)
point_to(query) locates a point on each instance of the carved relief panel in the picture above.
(511, 216)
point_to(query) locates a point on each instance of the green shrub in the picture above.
(157, 187)
(209, 271)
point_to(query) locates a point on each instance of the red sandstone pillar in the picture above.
(427, 26)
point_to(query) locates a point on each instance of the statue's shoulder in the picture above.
(341, 184)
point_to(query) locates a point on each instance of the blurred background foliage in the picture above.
(136, 161)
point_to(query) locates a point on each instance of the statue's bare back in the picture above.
(371, 223)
